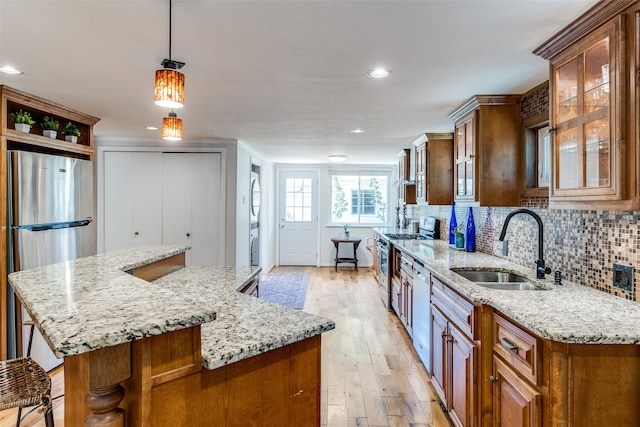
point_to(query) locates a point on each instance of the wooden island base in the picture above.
(165, 385)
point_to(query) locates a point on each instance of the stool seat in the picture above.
(24, 383)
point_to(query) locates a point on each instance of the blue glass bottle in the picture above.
(453, 223)
(470, 238)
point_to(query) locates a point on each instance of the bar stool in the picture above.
(24, 383)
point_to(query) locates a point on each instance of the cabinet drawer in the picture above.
(517, 347)
(460, 311)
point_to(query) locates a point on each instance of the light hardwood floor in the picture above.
(370, 374)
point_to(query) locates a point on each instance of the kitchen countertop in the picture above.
(569, 313)
(92, 302)
(246, 325)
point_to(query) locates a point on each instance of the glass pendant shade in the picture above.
(169, 88)
(172, 127)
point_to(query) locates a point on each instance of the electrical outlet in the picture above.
(623, 277)
(505, 247)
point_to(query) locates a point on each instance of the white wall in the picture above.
(247, 156)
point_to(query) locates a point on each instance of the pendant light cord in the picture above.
(170, 29)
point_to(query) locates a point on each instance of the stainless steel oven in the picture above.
(385, 271)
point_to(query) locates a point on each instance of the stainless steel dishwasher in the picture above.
(422, 314)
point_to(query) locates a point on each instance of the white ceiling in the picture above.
(286, 77)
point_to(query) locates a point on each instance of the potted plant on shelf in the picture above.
(50, 127)
(71, 132)
(23, 121)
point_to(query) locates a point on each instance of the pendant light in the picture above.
(172, 127)
(169, 87)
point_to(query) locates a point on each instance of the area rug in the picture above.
(289, 289)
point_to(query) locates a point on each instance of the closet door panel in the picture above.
(207, 238)
(147, 198)
(118, 197)
(176, 197)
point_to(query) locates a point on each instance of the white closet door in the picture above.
(176, 196)
(147, 200)
(118, 197)
(132, 199)
(207, 237)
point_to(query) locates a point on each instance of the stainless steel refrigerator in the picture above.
(50, 214)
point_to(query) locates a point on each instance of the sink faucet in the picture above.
(541, 270)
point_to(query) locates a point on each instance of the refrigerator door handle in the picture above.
(53, 225)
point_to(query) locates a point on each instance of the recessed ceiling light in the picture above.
(379, 73)
(151, 127)
(337, 158)
(357, 130)
(9, 70)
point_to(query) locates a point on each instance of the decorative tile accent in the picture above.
(583, 245)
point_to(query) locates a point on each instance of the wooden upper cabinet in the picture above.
(487, 147)
(434, 168)
(407, 189)
(594, 153)
(12, 101)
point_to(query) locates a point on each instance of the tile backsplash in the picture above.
(582, 244)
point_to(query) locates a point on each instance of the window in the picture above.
(298, 199)
(359, 199)
(537, 172)
(363, 202)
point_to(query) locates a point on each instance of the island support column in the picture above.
(92, 386)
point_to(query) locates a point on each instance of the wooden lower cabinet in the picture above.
(538, 382)
(164, 384)
(515, 402)
(454, 369)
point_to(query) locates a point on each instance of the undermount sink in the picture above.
(490, 276)
(498, 279)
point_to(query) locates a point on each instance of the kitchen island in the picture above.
(147, 341)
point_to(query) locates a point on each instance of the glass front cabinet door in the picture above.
(586, 116)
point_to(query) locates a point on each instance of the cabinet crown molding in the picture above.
(477, 101)
(589, 21)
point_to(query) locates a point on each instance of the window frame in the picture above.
(379, 173)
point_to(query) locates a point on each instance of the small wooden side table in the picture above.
(354, 242)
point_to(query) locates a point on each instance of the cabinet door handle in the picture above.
(493, 379)
(508, 345)
(188, 234)
(136, 233)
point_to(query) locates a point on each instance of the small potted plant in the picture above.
(347, 232)
(71, 132)
(23, 121)
(459, 233)
(50, 127)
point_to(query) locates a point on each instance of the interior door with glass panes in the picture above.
(298, 216)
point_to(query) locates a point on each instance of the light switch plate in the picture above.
(623, 277)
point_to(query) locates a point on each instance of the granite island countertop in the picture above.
(569, 313)
(91, 302)
(245, 325)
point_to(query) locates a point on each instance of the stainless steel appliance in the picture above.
(50, 214)
(422, 314)
(384, 281)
